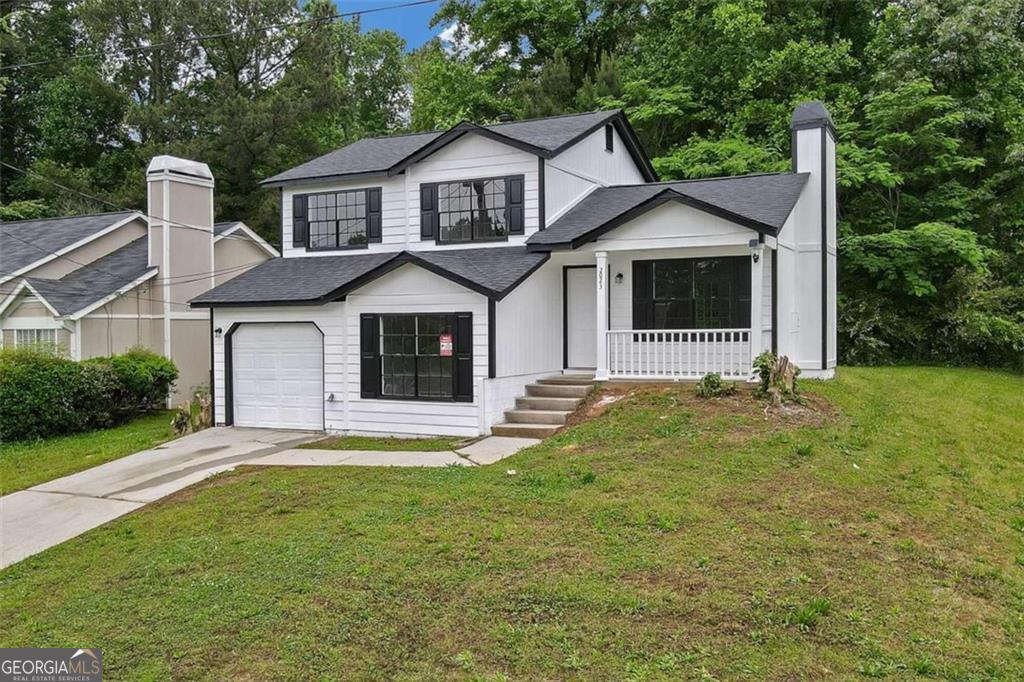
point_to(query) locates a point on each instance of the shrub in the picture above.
(712, 386)
(43, 394)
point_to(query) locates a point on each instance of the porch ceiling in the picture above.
(759, 202)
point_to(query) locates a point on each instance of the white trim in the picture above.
(21, 287)
(79, 314)
(76, 341)
(251, 234)
(165, 268)
(32, 323)
(163, 175)
(71, 247)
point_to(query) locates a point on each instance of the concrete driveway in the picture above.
(48, 514)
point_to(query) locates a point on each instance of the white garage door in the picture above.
(277, 372)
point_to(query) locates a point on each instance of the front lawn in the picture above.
(29, 463)
(659, 540)
(440, 444)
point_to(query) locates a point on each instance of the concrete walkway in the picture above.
(48, 514)
(485, 451)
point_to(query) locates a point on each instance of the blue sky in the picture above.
(412, 23)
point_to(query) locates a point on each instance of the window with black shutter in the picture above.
(417, 357)
(478, 210)
(348, 219)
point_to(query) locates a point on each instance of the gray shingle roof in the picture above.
(221, 228)
(379, 154)
(24, 242)
(90, 283)
(761, 202)
(316, 280)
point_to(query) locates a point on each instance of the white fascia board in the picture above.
(71, 247)
(248, 231)
(22, 287)
(79, 314)
(11, 297)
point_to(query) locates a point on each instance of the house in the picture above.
(98, 284)
(426, 280)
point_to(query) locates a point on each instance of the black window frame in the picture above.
(372, 357)
(646, 298)
(514, 209)
(301, 219)
(609, 138)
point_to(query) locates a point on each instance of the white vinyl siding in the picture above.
(408, 290)
(586, 165)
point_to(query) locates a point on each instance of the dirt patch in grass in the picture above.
(815, 410)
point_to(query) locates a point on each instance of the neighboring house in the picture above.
(98, 284)
(426, 279)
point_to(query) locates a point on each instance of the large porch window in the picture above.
(692, 293)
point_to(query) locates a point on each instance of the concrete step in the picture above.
(567, 380)
(558, 390)
(524, 430)
(537, 416)
(541, 403)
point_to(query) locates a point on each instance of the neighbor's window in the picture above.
(413, 362)
(692, 293)
(35, 337)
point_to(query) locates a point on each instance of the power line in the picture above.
(195, 277)
(211, 36)
(172, 223)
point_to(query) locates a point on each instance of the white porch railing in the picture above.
(678, 353)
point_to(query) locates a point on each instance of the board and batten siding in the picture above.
(586, 165)
(469, 157)
(407, 290)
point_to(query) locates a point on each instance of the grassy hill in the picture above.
(877, 532)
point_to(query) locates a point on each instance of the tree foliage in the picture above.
(928, 96)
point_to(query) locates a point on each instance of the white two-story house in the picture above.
(426, 279)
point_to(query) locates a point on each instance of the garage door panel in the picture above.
(278, 376)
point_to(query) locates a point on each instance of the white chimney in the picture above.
(814, 152)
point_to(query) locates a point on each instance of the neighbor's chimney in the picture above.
(814, 152)
(180, 199)
(505, 117)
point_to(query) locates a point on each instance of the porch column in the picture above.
(602, 315)
(757, 254)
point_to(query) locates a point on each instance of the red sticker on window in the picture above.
(446, 345)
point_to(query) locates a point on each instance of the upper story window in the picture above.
(609, 138)
(478, 210)
(347, 219)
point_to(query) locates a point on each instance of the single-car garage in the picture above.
(276, 374)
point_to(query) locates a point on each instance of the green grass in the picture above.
(391, 444)
(29, 463)
(668, 539)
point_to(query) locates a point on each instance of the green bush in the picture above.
(712, 386)
(43, 394)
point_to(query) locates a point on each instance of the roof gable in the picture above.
(760, 202)
(95, 281)
(314, 280)
(545, 137)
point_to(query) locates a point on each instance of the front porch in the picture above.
(670, 314)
